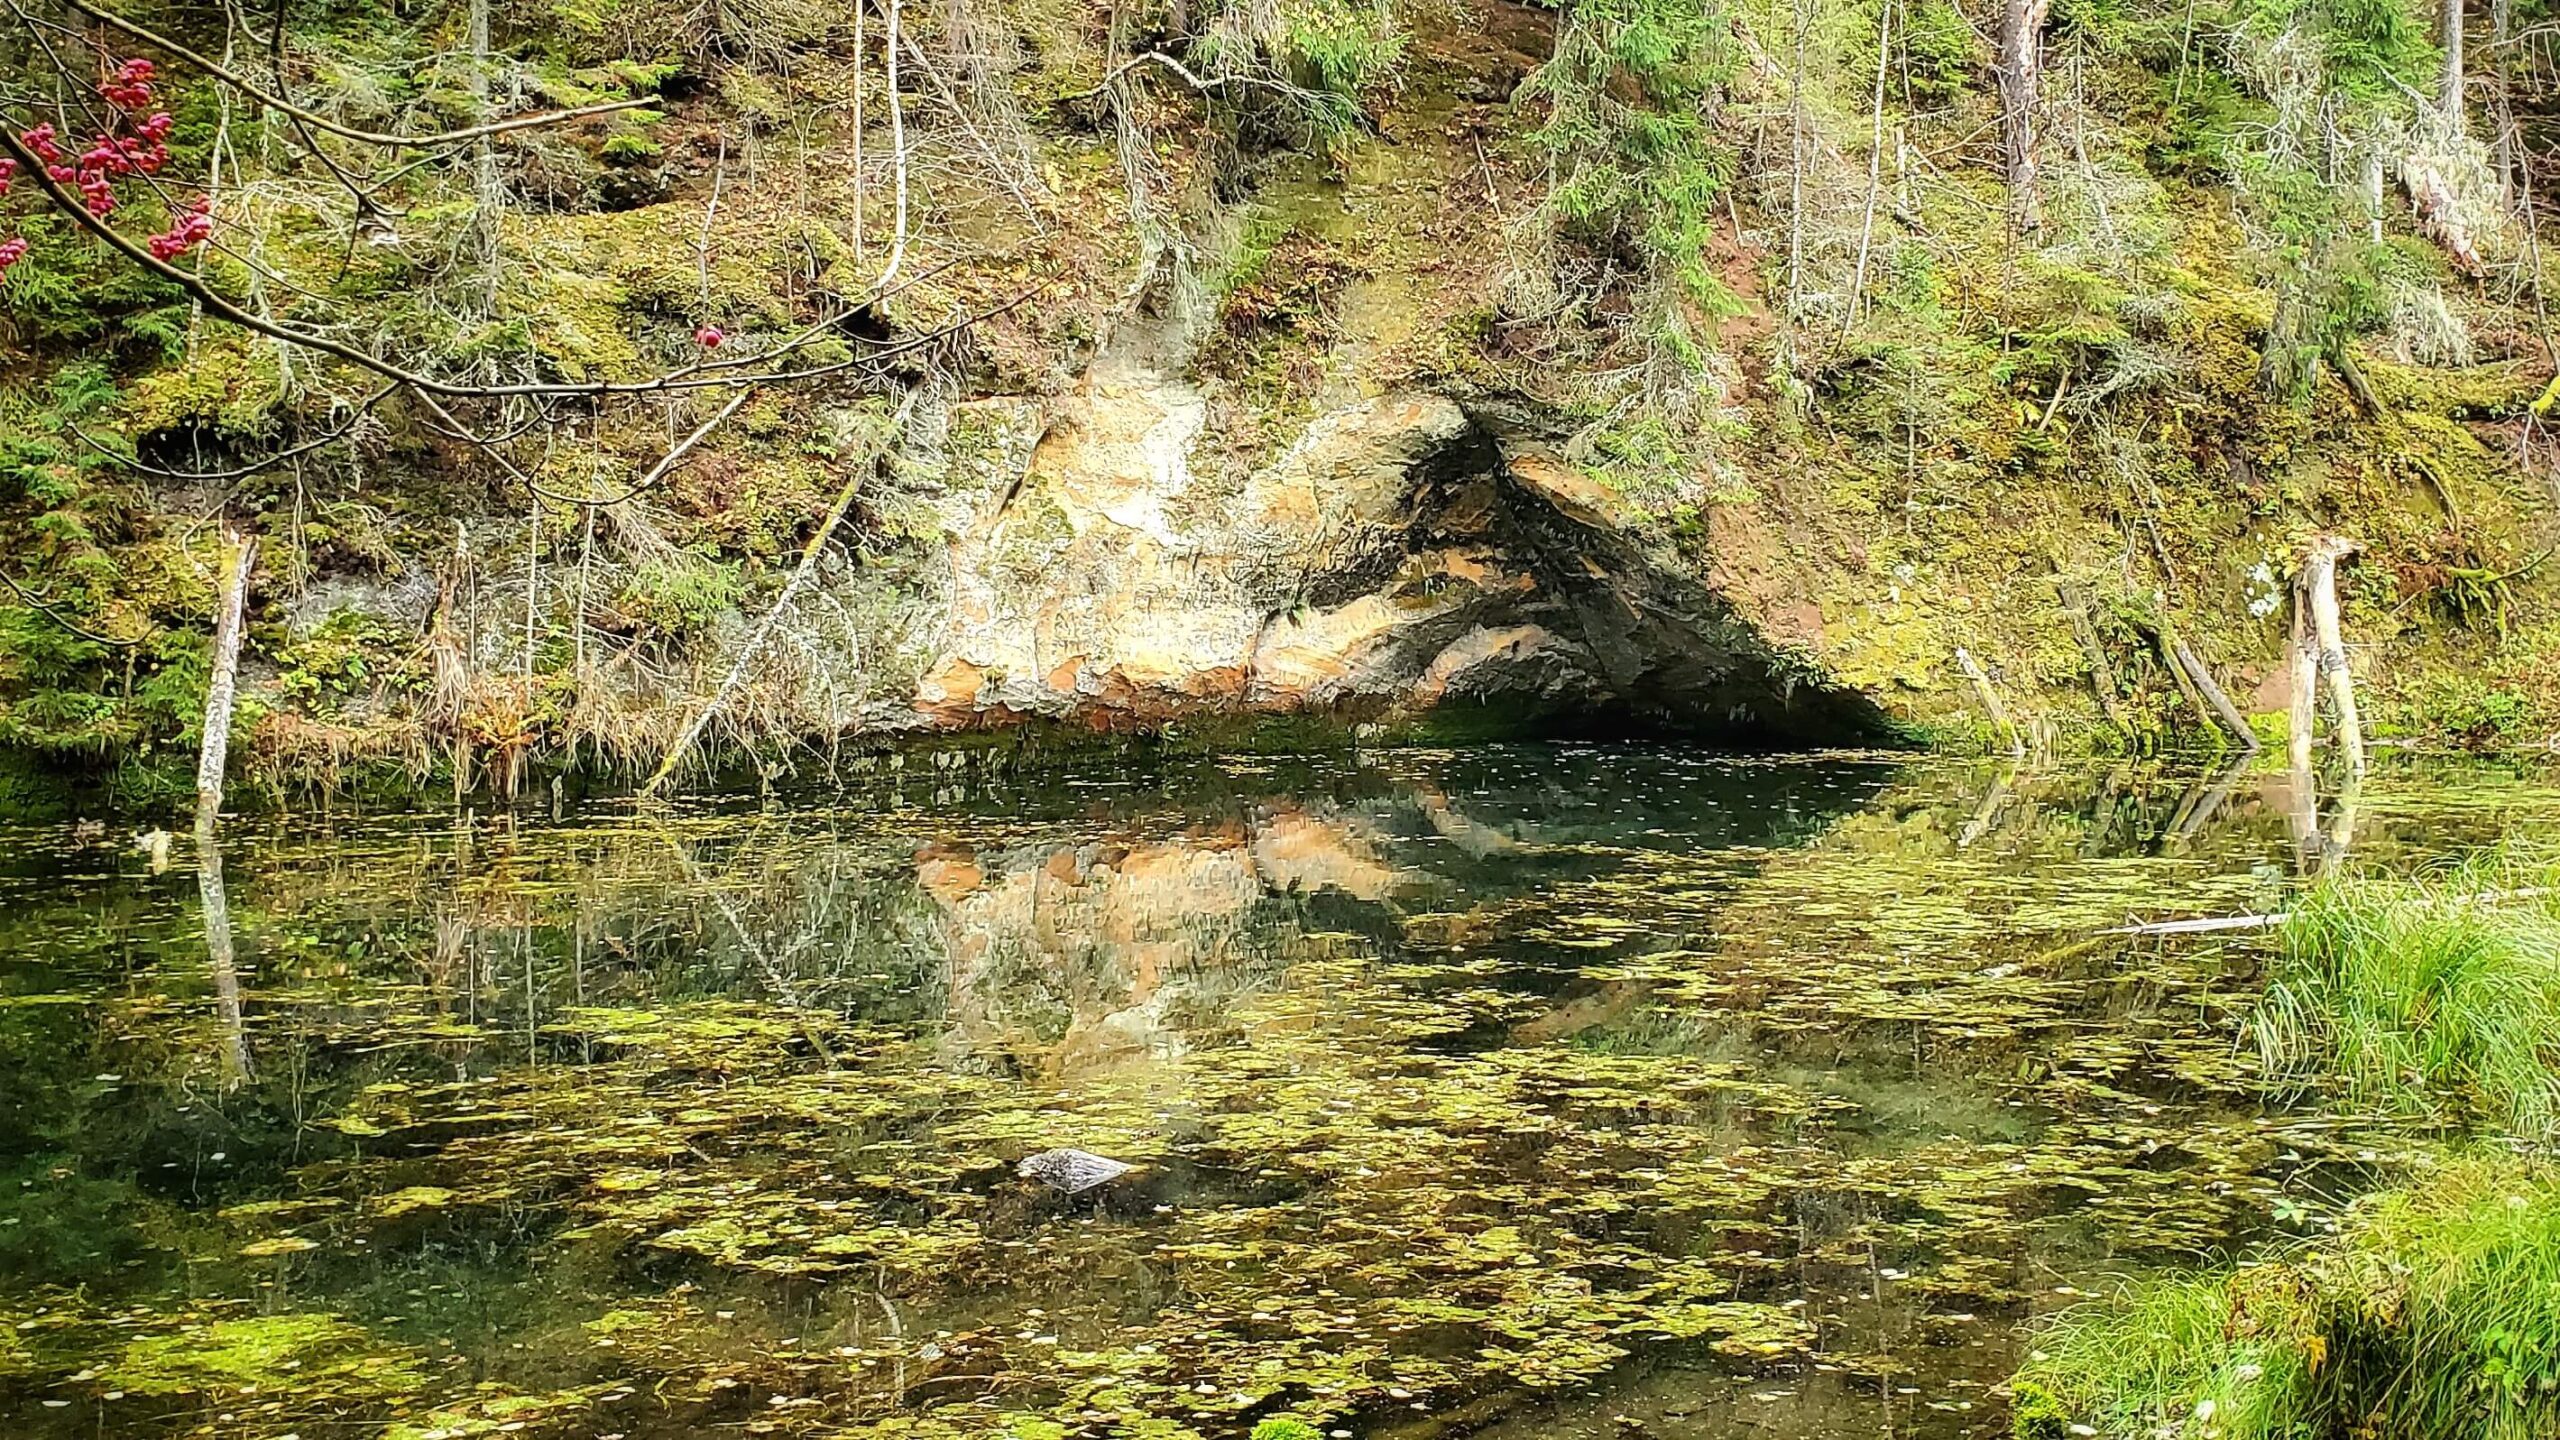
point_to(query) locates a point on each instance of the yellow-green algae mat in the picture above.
(1453, 1085)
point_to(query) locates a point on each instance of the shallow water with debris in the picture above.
(1524, 1091)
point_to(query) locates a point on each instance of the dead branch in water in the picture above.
(2217, 924)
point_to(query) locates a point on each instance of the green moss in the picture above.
(315, 1354)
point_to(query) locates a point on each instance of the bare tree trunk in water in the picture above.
(216, 908)
(224, 687)
(2341, 833)
(2021, 67)
(2320, 583)
(2218, 702)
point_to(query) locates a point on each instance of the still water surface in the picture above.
(1521, 1092)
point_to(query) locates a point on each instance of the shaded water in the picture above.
(1526, 1091)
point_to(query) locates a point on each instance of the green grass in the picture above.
(2423, 1000)
(2168, 1355)
(2433, 1314)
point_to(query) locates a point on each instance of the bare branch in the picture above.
(1313, 99)
(659, 471)
(58, 618)
(318, 121)
(205, 476)
(700, 376)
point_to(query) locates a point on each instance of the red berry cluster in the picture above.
(128, 146)
(192, 229)
(130, 87)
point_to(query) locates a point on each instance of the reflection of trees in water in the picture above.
(214, 905)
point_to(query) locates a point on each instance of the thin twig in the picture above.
(195, 477)
(58, 618)
(232, 78)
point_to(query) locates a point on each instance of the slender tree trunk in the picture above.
(487, 195)
(861, 257)
(2021, 67)
(1796, 131)
(2502, 107)
(897, 158)
(755, 641)
(2373, 192)
(2009, 733)
(2451, 98)
(2302, 664)
(2320, 582)
(224, 685)
(1875, 168)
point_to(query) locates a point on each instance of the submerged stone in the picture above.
(1073, 1171)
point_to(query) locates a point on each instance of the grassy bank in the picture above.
(2434, 1000)
(2428, 1309)
(2434, 1311)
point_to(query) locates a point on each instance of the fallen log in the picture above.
(2216, 924)
(2219, 703)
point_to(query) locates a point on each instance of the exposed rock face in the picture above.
(1393, 565)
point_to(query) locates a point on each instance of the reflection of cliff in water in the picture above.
(1103, 949)
(1079, 954)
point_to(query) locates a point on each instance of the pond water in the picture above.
(1520, 1091)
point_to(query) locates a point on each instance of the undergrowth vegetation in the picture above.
(1747, 268)
(2432, 1314)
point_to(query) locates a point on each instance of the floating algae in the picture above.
(606, 1128)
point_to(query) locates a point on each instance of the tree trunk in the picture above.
(215, 907)
(2102, 675)
(2302, 665)
(2451, 97)
(2502, 106)
(2320, 582)
(2009, 733)
(2021, 64)
(2373, 193)
(2220, 703)
(224, 686)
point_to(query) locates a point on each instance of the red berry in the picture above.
(709, 337)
